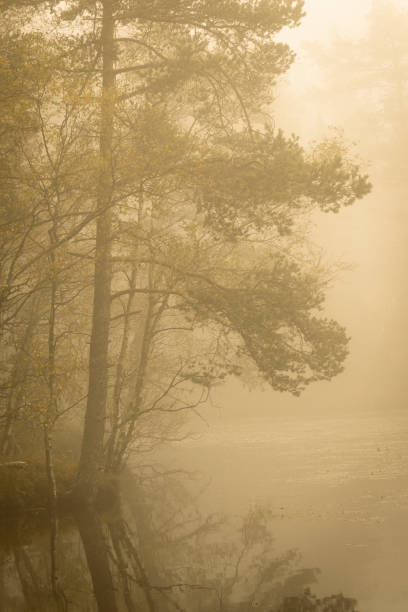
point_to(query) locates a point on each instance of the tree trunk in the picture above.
(126, 435)
(120, 367)
(48, 424)
(17, 382)
(91, 459)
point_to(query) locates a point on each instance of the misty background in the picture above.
(333, 463)
(370, 297)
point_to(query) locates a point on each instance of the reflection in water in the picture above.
(153, 551)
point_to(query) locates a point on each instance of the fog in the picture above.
(203, 320)
(370, 297)
(355, 426)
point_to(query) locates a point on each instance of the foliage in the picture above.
(169, 195)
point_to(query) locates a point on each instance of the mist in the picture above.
(203, 306)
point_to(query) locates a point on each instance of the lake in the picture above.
(243, 515)
(338, 488)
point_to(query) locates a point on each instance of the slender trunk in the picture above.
(117, 391)
(17, 384)
(126, 435)
(91, 459)
(48, 425)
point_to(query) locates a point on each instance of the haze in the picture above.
(203, 306)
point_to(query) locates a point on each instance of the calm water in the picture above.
(338, 489)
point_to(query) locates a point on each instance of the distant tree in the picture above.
(368, 79)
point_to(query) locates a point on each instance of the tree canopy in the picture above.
(141, 166)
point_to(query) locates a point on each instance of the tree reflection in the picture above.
(26, 566)
(153, 551)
